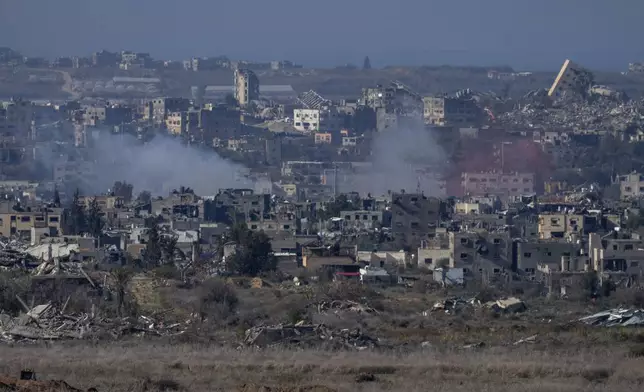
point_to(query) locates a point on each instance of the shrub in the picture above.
(216, 299)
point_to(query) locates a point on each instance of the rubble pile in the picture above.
(46, 322)
(615, 318)
(344, 305)
(307, 335)
(455, 305)
(578, 114)
(11, 256)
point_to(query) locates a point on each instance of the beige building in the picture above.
(155, 111)
(571, 77)
(561, 225)
(21, 222)
(463, 249)
(180, 123)
(631, 186)
(496, 183)
(246, 86)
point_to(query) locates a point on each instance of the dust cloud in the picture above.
(403, 158)
(160, 165)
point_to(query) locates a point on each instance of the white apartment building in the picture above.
(314, 120)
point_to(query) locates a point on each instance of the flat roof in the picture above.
(269, 88)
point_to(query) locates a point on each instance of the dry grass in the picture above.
(163, 367)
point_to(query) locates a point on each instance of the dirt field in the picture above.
(165, 367)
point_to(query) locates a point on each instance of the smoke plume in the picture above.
(403, 158)
(157, 166)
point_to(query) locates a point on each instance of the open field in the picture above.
(139, 366)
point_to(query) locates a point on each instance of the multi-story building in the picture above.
(246, 86)
(631, 186)
(445, 110)
(180, 123)
(361, 219)
(414, 216)
(273, 151)
(16, 132)
(156, 110)
(324, 119)
(571, 77)
(560, 225)
(105, 59)
(18, 221)
(496, 183)
(463, 249)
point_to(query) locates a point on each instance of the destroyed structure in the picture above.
(540, 190)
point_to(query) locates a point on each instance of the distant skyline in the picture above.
(599, 34)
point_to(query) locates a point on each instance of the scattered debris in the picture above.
(345, 305)
(45, 322)
(452, 305)
(508, 305)
(615, 317)
(307, 334)
(529, 339)
(472, 346)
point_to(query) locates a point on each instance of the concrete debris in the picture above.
(307, 335)
(453, 305)
(46, 322)
(615, 317)
(473, 346)
(529, 339)
(345, 305)
(578, 114)
(508, 305)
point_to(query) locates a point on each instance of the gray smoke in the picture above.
(406, 157)
(160, 165)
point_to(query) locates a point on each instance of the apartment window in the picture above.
(463, 255)
(374, 217)
(287, 227)
(526, 189)
(635, 263)
(253, 227)
(527, 254)
(414, 225)
(514, 189)
(13, 218)
(429, 261)
(628, 247)
(614, 247)
(25, 219)
(347, 217)
(365, 217)
(463, 241)
(497, 241)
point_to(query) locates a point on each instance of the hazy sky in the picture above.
(597, 33)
